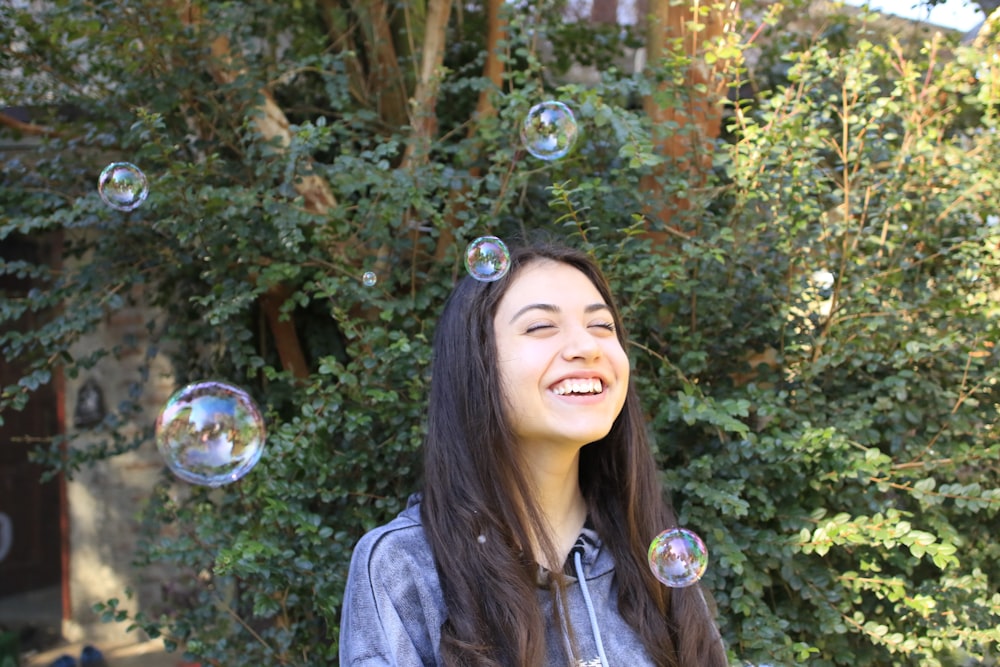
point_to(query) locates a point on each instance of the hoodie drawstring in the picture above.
(578, 564)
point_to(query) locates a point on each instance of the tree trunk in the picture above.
(496, 29)
(690, 27)
(423, 117)
(388, 84)
(270, 121)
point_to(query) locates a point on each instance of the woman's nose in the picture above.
(580, 344)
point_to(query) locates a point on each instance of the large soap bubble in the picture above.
(678, 557)
(487, 258)
(210, 433)
(549, 130)
(122, 186)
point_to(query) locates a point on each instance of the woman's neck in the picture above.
(556, 478)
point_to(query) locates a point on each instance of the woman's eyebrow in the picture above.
(552, 308)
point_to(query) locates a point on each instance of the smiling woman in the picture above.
(528, 544)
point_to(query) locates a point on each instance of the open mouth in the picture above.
(578, 387)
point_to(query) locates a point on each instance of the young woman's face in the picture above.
(563, 371)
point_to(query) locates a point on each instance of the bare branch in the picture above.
(27, 128)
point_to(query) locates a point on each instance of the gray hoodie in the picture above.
(393, 606)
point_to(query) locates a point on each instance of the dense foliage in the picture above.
(815, 341)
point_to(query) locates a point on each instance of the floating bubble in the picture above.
(549, 130)
(678, 557)
(210, 433)
(369, 279)
(487, 258)
(122, 186)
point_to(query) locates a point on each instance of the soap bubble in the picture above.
(369, 279)
(678, 557)
(487, 258)
(122, 186)
(549, 130)
(210, 433)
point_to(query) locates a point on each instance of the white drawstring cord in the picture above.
(578, 563)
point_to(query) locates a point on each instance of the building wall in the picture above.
(104, 500)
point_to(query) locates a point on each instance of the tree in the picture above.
(843, 478)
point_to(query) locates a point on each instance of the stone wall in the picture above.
(104, 499)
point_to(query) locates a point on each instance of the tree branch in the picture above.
(27, 128)
(286, 338)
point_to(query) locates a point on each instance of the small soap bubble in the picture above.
(481, 539)
(210, 433)
(549, 130)
(487, 258)
(122, 186)
(678, 557)
(369, 279)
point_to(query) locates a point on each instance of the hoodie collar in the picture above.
(596, 560)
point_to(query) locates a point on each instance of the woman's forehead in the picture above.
(550, 282)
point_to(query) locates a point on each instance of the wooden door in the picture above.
(30, 511)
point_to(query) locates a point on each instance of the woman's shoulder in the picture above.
(393, 607)
(401, 542)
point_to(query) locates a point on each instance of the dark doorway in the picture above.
(31, 543)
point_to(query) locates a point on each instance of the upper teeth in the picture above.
(593, 386)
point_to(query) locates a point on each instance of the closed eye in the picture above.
(610, 326)
(538, 327)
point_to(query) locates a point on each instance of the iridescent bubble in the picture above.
(122, 186)
(549, 130)
(210, 433)
(678, 557)
(369, 279)
(487, 258)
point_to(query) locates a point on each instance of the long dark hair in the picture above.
(480, 516)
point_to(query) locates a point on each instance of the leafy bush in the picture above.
(815, 343)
